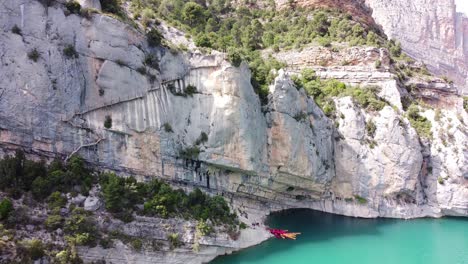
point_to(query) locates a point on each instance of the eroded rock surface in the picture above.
(262, 158)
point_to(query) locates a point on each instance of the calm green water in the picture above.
(331, 239)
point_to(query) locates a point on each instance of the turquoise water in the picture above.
(331, 239)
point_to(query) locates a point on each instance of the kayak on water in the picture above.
(279, 233)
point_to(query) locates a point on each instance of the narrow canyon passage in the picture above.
(328, 238)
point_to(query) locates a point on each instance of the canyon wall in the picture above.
(286, 154)
(429, 30)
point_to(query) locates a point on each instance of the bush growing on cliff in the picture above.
(190, 152)
(370, 128)
(108, 122)
(6, 206)
(80, 228)
(360, 199)
(54, 222)
(174, 240)
(30, 250)
(154, 38)
(378, 64)
(18, 175)
(112, 6)
(34, 55)
(168, 128)
(120, 195)
(73, 7)
(16, 30)
(465, 103)
(70, 52)
(421, 124)
(201, 139)
(190, 90)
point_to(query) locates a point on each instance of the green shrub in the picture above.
(440, 180)
(360, 199)
(201, 139)
(16, 30)
(108, 122)
(73, 7)
(34, 55)
(174, 241)
(168, 128)
(6, 207)
(111, 6)
(151, 61)
(141, 70)
(70, 52)
(378, 64)
(190, 90)
(234, 57)
(465, 103)
(53, 222)
(190, 152)
(120, 195)
(301, 116)
(84, 239)
(81, 228)
(33, 249)
(88, 12)
(154, 38)
(242, 225)
(421, 124)
(204, 228)
(56, 200)
(370, 128)
(325, 42)
(136, 244)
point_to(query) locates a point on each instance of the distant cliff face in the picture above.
(429, 30)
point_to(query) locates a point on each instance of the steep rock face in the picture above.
(263, 158)
(428, 30)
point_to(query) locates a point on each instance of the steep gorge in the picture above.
(262, 158)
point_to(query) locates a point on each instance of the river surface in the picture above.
(333, 239)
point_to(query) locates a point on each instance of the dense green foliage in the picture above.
(112, 6)
(217, 24)
(323, 92)
(6, 206)
(121, 195)
(73, 7)
(154, 38)
(418, 122)
(80, 228)
(18, 175)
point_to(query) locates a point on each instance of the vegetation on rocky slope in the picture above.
(242, 31)
(323, 92)
(44, 196)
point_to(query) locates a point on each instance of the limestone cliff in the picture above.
(283, 155)
(431, 31)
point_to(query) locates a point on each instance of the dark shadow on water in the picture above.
(314, 227)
